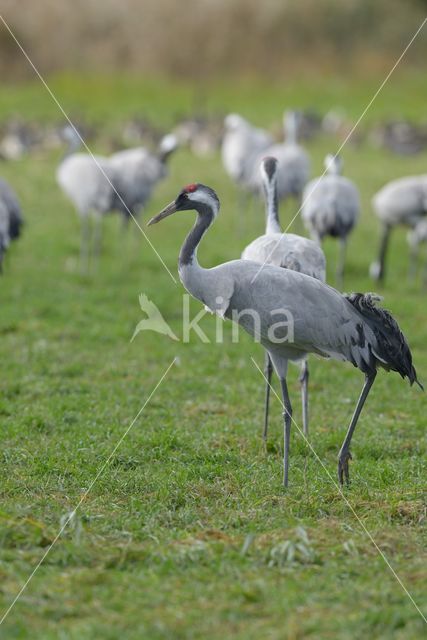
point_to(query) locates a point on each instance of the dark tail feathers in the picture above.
(392, 350)
(15, 224)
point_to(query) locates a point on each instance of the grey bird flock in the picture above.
(278, 270)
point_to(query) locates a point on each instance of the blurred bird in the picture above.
(293, 169)
(19, 138)
(202, 134)
(331, 207)
(289, 251)
(324, 322)
(122, 182)
(400, 202)
(400, 136)
(11, 219)
(241, 145)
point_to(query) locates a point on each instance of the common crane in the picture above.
(293, 170)
(289, 251)
(400, 202)
(324, 321)
(122, 182)
(331, 207)
(241, 145)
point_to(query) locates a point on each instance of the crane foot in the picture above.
(343, 473)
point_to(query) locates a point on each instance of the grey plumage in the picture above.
(293, 169)
(244, 146)
(324, 321)
(286, 250)
(331, 207)
(241, 145)
(122, 182)
(11, 219)
(400, 202)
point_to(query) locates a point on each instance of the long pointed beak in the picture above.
(167, 211)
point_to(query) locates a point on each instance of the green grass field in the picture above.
(188, 532)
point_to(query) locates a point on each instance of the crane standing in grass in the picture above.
(400, 202)
(11, 219)
(331, 207)
(325, 322)
(288, 251)
(122, 182)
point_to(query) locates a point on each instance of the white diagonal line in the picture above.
(348, 503)
(83, 497)
(54, 98)
(366, 109)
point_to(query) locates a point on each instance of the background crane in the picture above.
(288, 251)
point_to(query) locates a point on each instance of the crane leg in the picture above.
(125, 223)
(316, 237)
(268, 372)
(304, 395)
(287, 418)
(85, 244)
(344, 455)
(341, 263)
(134, 225)
(97, 236)
(380, 266)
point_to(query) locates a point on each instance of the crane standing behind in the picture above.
(288, 251)
(122, 182)
(331, 207)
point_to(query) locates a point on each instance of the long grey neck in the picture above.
(272, 223)
(188, 253)
(291, 128)
(334, 168)
(165, 155)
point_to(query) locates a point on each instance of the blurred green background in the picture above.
(205, 39)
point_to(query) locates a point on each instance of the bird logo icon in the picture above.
(154, 321)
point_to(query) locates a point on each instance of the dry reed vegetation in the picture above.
(196, 38)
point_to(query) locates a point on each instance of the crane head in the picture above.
(234, 122)
(167, 145)
(268, 168)
(194, 196)
(333, 164)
